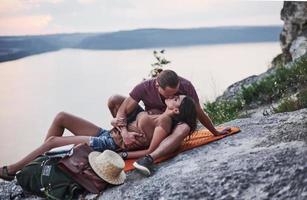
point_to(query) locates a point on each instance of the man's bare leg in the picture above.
(172, 142)
(167, 146)
(50, 143)
(114, 103)
(76, 125)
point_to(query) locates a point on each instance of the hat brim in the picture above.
(108, 178)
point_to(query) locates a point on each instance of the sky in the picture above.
(32, 17)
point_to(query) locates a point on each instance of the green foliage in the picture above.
(275, 86)
(284, 81)
(302, 99)
(277, 61)
(292, 104)
(223, 111)
(161, 61)
(287, 105)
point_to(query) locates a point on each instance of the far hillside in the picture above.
(14, 47)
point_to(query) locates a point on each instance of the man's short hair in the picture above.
(168, 78)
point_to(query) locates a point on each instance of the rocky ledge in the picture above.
(266, 160)
(293, 37)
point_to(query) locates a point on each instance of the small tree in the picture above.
(161, 61)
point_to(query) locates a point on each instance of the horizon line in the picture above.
(134, 29)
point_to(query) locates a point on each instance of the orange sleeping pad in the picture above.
(198, 138)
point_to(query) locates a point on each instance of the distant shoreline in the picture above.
(15, 47)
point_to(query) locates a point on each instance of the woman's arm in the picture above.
(158, 136)
(206, 121)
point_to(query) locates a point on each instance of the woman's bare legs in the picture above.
(81, 128)
(51, 142)
(76, 125)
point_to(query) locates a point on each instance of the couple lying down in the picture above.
(149, 130)
(172, 108)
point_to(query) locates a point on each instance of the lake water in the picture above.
(34, 89)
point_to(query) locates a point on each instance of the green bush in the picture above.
(272, 88)
(287, 105)
(292, 104)
(302, 99)
(249, 94)
(223, 111)
(276, 86)
(277, 61)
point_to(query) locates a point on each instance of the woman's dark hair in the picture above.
(187, 114)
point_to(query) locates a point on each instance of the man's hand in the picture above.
(129, 139)
(223, 132)
(115, 122)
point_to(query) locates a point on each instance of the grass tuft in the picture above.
(285, 81)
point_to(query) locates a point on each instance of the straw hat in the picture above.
(108, 165)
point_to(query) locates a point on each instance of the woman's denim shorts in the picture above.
(103, 141)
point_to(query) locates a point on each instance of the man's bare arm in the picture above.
(125, 108)
(206, 121)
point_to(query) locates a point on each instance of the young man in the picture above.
(152, 93)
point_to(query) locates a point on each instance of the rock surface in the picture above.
(266, 160)
(294, 34)
(298, 47)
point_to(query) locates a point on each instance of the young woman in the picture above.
(149, 130)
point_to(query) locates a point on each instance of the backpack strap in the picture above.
(72, 189)
(46, 189)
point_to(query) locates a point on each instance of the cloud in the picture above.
(162, 8)
(24, 24)
(9, 6)
(18, 17)
(86, 1)
(43, 1)
(112, 15)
